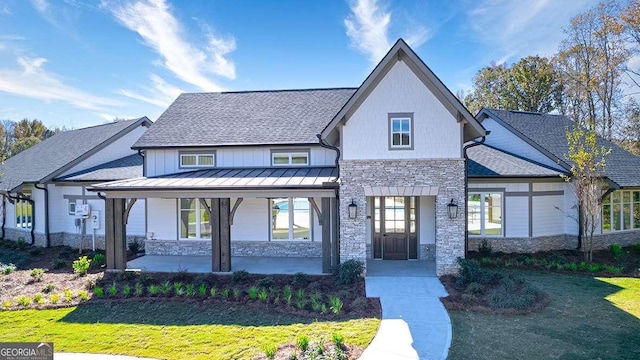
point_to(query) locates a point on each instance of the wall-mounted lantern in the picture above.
(353, 210)
(452, 208)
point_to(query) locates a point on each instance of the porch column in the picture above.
(220, 235)
(115, 234)
(325, 222)
(335, 243)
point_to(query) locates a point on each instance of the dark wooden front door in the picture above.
(394, 225)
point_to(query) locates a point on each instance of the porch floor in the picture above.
(401, 268)
(251, 264)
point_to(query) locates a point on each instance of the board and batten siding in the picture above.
(436, 132)
(250, 222)
(167, 161)
(505, 140)
(116, 150)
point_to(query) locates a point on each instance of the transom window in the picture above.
(24, 213)
(197, 160)
(484, 217)
(290, 219)
(193, 219)
(401, 131)
(621, 211)
(290, 158)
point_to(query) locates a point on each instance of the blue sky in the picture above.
(76, 63)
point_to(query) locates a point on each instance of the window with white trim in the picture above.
(400, 131)
(24, 212)
(193, 219)
(621, 211)
(189, 160)
(290, 219)
(484, 214)
(72, 207)
(290, 158)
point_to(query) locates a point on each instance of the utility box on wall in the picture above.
(83, 210)
(95, 219)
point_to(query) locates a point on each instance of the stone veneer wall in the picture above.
(238, 248)
(63, 238)
(446, 174)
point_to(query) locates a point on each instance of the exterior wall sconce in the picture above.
(353, 210)
(452, 208)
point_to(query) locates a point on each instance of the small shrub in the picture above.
(338, 340)
(287, 293)
(37, 274)
(177, 286)
(180, 275)
(594, 267)
(263, 295)
(7, 269)
(359, 304)
(512, 293)
(24, 301)
(224, 293)
(300, 279)
(138, 289)
(253, 293)
(471, 271)
(613, 269)
(190, 290)
(98, 292)
(153, 289)
(165, 288)
(266, 282)
(81, 266)
(21, 244)
(320, 347)
(134, 246)
(323, 309)
(616, 250)
(240, 275)
(202, 290)
(213, 292)
(315, 301)
(300, 304)
(236, 293)
(335, 304)
(48, 288)
(485, 248)
(54, 298)
(270, 352)
(98, 260)
(468, 299)
(300, 294)
(68, 295)
(348, 272)
(83, 295)
(572, 266)
(303, 343)
(37, 298)
(113, 290)
(58, 263)
(7, 304)
(126, 291)
(475, 287)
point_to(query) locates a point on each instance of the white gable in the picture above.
(504, 139)
(437, 133)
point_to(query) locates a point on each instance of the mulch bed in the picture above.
(286, 352)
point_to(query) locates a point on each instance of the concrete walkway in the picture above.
(415, 324)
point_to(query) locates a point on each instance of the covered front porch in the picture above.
(204, 219)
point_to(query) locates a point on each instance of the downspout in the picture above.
(33, 214)
(144, 163)
(4, 214)
(466, 188)
(337, 190)
(46, 213)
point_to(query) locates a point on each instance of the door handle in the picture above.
(384, 234)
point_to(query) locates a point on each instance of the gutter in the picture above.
(33, 214)
(466, 188)
(337, 194)
(330, 147)
(46, 213)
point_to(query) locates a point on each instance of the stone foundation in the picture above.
(238, 248)
(65, 239)
(622, 238)
(427, 252)
(446, 174)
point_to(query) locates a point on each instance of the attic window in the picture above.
(189, 160)
(401, 131)
(293, 158)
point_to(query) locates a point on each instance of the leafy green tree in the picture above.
(533, 85)
(489, 88)
(29, 128)
(23, 144)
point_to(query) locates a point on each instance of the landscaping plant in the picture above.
(37, 274)
(126, 291)
(153, 289)
(54, 298)
(81, 266)
(68, 295)
(83, 295)
(98, 260)
(24, 301)
(98, 292)
(348, 272)
(335, 304)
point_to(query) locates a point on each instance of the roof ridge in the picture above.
(108, 123)
(271, 90)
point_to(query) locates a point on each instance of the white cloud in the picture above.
(162, 93)
(163, 32)
(33, 81)
(41, 5)
(514, 29)
(368, 25)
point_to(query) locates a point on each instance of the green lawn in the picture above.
(588, 318)
(172, 330)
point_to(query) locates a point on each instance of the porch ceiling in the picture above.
(256, 181)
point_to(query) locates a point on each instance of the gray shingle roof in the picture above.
(119, 169)
(229, 179)
(60, 151)
(245, 118)
(486, 161)
(548, 133)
